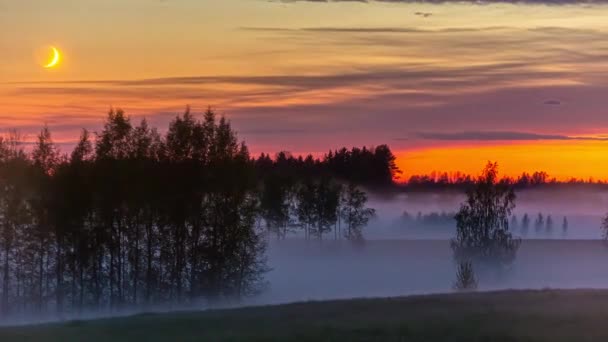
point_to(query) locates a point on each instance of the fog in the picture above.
(584, 209)
(308, 271)
(399, 260)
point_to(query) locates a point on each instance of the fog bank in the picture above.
(311, 271)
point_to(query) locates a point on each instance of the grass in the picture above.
(548, 315)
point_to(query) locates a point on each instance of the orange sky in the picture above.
(515, 83)
(562, 160)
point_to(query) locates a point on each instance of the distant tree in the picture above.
(539, 178)
(604, 227)
(565, 226)
(305, 209)
(275, 205)
(465, 277)
(525, 225)
(327, 199)
(482, 234)
(369, 166)
(539, 224)
(549, 225)
(354, 212)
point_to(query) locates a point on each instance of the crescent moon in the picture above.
(55, 60)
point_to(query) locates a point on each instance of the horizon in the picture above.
(407, 170)
(447, 85)
(158, 156)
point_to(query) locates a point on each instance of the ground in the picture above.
(548, 315)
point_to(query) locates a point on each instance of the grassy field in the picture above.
(550, 315)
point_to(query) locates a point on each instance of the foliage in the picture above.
(131, 219)
(371, 167)
(354, 213)
(134, 218)
(482, 224)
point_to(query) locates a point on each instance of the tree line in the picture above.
(543, 225)
(134, 218)
(458, 181)
(373, 167)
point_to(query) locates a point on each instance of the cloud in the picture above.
(370, 87)
(499, 135)
(552, 103)
(476, 2)
(273, 131)
(328, 29)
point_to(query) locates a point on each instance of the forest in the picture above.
(133, 218)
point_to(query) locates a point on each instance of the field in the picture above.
(310, 271)
(544, 315)
(393, 268)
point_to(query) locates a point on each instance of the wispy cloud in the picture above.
(476, 2)
(499, 135)
(328, 29)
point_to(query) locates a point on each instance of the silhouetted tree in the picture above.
(604, 227)
(326, 201)
(275, 204)
(135, 218)
(525, 225)
(482, 234)
(306, 211)
(565, 226)
(549, 225)
(354, 212)
(539, 224)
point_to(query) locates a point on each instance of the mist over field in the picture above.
(584, 209)
(399, 259)
(384, 268)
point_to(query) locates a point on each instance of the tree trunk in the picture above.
(6, 279)
(59, 275)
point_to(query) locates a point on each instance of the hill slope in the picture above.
(551, 315)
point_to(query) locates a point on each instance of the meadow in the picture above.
(541, 315)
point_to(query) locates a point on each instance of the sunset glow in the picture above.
(308, 76)
(562, 160)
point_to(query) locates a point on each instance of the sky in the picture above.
(447, 85)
